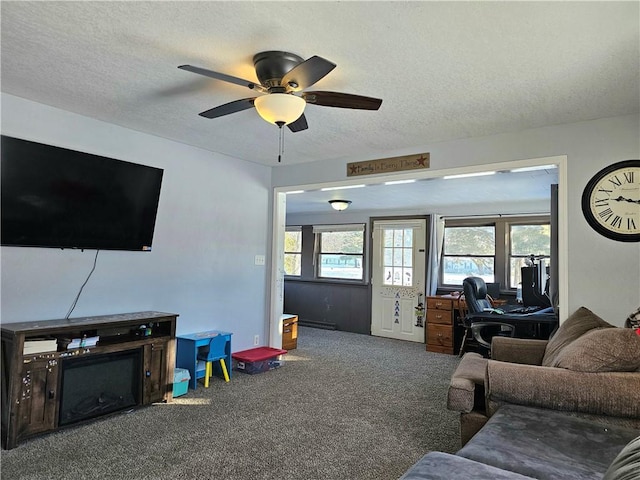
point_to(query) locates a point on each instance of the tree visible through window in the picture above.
(341, 254)
(469, 251)
(527, 240)
(292, 252)
(494, 249)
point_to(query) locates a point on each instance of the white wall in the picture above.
(604, 275)
(212, 221)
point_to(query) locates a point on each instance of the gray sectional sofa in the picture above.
(521, 442)
(557, 409)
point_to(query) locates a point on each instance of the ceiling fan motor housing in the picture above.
(271, 66)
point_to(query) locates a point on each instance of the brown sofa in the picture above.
(588, 368)
(558, 409)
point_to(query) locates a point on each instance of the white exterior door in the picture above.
(398, 276)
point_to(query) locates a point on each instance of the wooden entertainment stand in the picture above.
(32, 384)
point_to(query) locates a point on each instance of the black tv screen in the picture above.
(55, 197)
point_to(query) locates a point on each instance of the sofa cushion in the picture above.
(443, 466)
(547, 444)
(626, 465)
(602, 350)
(579, 323)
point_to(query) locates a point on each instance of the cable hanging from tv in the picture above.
(73, 305)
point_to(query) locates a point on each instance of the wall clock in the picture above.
(611, 201)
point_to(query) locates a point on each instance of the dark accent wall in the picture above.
(339, 304)
(346, 307)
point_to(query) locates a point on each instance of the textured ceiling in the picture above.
(445, 70)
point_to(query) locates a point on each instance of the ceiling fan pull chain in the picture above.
(281, 141)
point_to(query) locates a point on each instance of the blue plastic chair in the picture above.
(214, 352)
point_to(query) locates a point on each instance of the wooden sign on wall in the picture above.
(388, 165)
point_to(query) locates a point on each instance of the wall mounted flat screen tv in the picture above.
(55, 197)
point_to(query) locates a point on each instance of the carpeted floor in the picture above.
(343, 406)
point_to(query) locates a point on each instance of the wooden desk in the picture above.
(187, 353)
(528, 325)
(444, 332)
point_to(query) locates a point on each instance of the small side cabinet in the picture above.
(289, 332)
(440, 325)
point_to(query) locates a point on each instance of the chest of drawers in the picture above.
(440, 325)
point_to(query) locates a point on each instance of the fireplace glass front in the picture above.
(97, 385)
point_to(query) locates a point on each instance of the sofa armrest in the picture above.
(467, 384)
(615, 394)
(518, 350)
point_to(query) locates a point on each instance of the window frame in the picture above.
(510, 255)
(298, 253)
(502, 255)
(318, 230)
(443, 256)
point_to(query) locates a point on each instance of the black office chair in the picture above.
(479, 333)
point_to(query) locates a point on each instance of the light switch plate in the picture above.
(259, 260)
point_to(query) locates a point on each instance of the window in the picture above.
(527, 240)
(340, 251)
(469, 251)
(293, 251)
(494, 249)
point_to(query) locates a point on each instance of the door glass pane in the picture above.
(397, 238)
(398, 253)
(407, 279)
(408, 257)
(408, 237)
(397, 257)
(388, 257)
(388, 238)
(397, 276)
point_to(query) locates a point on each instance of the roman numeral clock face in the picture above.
(611, 201)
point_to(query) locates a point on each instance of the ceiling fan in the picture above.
(283, 76)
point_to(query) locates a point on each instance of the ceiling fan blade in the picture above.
(223, 76)
(299, 125)
(342, 100)
(306, 73)
(227, 108)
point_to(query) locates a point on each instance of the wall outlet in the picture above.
(256, 340)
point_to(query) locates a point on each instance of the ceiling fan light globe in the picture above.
(280, 108)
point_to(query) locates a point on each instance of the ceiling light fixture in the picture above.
(279, 108)
(340, 204)
(345, 187)
(466, 175)
(533, 169)
(399, 182)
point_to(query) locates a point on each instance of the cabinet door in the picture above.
(155, 372)
(36, 403)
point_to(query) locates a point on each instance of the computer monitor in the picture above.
(535, 287)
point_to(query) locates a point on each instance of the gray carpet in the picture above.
(343, 406)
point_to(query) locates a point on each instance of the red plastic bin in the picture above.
(258, 360)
